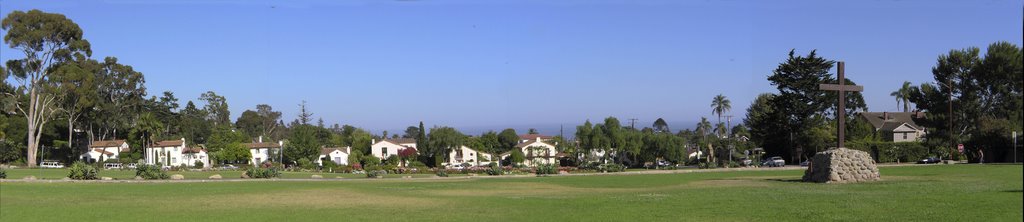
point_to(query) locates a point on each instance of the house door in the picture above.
(337, 160)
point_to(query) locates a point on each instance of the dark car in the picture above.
(929, 160)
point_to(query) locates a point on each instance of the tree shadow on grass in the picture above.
(786, 180)
(1013, 191)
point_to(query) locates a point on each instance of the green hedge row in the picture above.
(890, 152)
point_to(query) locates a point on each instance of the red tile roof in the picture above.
(534, 137)
(261, 145)
(106, 143)
(167, 143)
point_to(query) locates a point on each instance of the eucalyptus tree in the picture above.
(216, 108)
(661, 126)
(46, 40)
(77, 94)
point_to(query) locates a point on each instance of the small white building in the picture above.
(464, 154)
(175, 153)
(104, 150)
(537, 152)
(334, 154)
(387, 147)
(262, 152)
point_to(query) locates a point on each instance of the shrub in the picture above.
(441, 172)
(256, 172)
(3, 173)
(613, 167)
(150, 172)
(305, 163)
(82, 171)
(375, 173)
(494, 170)
(546, 169)
(198, 164)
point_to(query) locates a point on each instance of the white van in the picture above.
(51, 164)
(112, 166)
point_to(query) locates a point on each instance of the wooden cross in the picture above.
(842, 88)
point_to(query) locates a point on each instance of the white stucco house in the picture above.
(104, 150)
(387, 147)
(464, 154)
(334, 154)
(175, 153)
(537, 152)
(262, 152)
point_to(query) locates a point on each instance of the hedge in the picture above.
(888, 152)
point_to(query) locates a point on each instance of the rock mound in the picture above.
(177, 177)
(215, 177)
(841, 165)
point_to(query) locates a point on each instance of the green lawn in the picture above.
(925, 193)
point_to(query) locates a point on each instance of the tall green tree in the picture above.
(216, 108)
(122, 90)
(802, 103)
(193, 124)
(508, 139)
(303, 143)
(442, 141)
(985, 95)
(46, 40)
(411, 132)
(661, 126)
(77, 94)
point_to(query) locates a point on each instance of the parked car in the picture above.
(110, 166)
(775, 161)
(228, 167)
(51, 164)
(929, 160)
(130, 166)
(746, 162)
(805, 163)
(664, 164)
(456, 167)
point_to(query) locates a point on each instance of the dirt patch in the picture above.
(728, 183)
(318, 198)
(520, 189)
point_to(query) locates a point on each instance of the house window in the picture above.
(384, 151)
(175, 149)
(904, 135)
(174, 160)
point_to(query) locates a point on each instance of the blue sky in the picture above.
(477, 65)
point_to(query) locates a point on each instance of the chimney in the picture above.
(260, 139)
(348, 149)
(885, 116)
(373, 141)
(538, 138)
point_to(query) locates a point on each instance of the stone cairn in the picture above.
(841, 165)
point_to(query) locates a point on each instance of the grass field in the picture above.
(925, 193)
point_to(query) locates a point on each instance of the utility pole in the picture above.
(728, 123)
(952, 142)
(1014, 146)
(632, 123)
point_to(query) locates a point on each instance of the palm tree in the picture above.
(720, 105)
(704, 127)
(721, 129)
(903, 95)
(146, 128)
